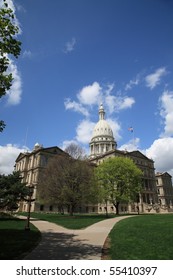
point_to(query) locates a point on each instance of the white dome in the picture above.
(102, 129)
(37, 146)
(102, 139)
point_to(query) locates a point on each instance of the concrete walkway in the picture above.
(59, 243)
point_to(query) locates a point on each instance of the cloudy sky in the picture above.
(79, 53)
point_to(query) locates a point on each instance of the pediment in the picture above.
(20, 156)
(140, 155)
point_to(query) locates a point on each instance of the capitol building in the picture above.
(157, 191)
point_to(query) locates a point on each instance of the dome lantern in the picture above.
(101, 112)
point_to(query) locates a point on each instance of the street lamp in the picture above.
(29, 200)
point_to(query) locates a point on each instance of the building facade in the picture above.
(164, 190)
(31, 165)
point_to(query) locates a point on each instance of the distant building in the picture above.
(164, 190)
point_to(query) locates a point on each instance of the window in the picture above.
(41, 207)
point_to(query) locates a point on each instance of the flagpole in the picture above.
(26, 138)
(133, 135)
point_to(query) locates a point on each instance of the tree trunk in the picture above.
(71, 210)
(117, 208)
(106, 208)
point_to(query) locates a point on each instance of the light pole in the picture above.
(29, 200)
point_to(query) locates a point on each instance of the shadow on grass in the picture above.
(62, 246)
(15, 241)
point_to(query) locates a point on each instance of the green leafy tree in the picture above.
(12, 191)
(2, 126)
(67, 182)
(9, 45)
(119, 179)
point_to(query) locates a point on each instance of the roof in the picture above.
(139, 155)
(136, 154)
(50, 150)
(158, 174)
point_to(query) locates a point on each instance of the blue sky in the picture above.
(78, 53)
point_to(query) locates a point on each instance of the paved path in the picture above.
(59, 243)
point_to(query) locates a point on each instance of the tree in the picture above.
(68, 183)
(2, 126)
(12, 191)
(8, 46)
(120, 180)
(75, 151)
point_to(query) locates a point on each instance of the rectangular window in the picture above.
(41, 207)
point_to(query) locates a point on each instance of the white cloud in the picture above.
(132, 145)
(167, 112)
(77, 107)
(27, 54)
(110, 88)
(117, 103)
(126, 102)
(132, 83)
(20, 8)
(70, 45)
(14, 94)
(8, 155)
(94, 94)
(161, 151)
(116, 128)
(84, 131)
(110, 101)
(90, 95)
(154, 79)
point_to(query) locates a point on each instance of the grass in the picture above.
(70, 222)
(143, 237)
(15, 241)
(146, 237)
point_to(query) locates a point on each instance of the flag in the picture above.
(130, 129)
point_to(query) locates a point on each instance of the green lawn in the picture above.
(137, 238)
(70, 222)
(144, 237)
(15, 241)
